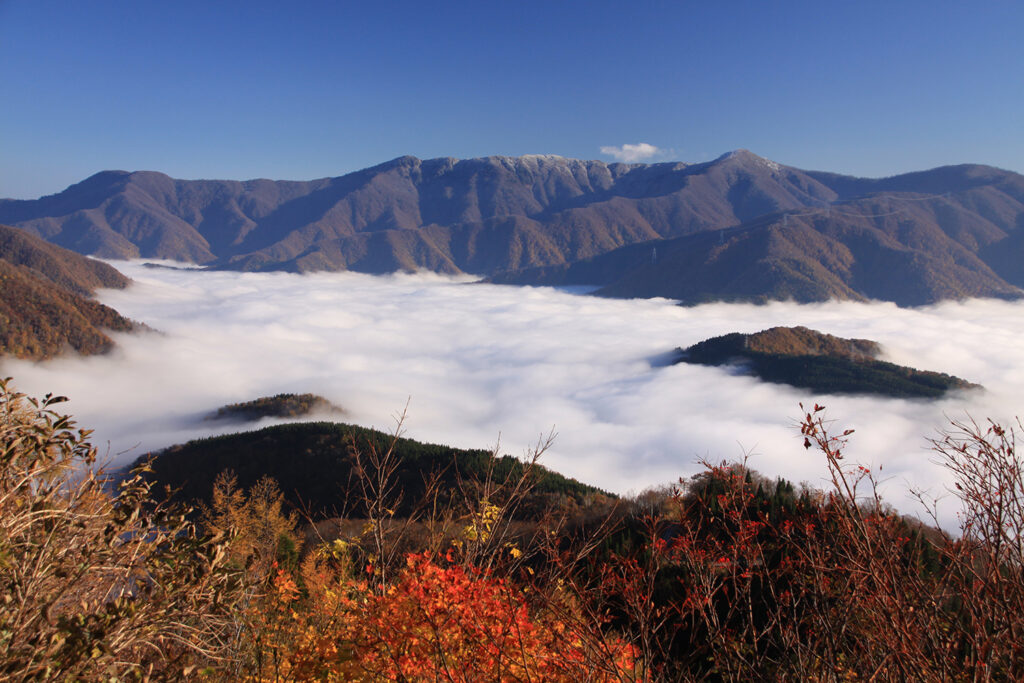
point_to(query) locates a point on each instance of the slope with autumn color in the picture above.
(44, 301)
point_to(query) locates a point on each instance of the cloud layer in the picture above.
(629, 154)
(479, 362)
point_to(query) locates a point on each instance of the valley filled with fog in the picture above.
(478, 363)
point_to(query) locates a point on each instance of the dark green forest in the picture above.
(315, 466)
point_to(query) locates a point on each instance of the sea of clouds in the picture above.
(477, 362)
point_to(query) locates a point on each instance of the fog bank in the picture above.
(478, 361)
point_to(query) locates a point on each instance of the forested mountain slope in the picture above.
(908, 248)
(314, 464)
(44, 299)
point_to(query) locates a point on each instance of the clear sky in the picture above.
(299, 90)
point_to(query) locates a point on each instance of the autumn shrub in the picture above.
(754, 582)
(261, 533)
(98, 584)
(734, 577)
(453, 610)
(904, 606)
(436, 621)
(728, 576)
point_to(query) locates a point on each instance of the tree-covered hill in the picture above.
(279, 405)
(314, 465)
(823, 363)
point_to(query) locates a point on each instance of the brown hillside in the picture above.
(803, 341)
(64, 268)
(911, 250)
(44, 308)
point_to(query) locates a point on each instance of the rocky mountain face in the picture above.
(945, 234)
(475, 215)
(44, 299)
(739, 227)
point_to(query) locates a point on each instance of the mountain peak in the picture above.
(745, 156)
(404, 161)
(100, 179)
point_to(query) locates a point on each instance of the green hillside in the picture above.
(314, 466)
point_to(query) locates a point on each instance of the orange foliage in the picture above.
(435, 621)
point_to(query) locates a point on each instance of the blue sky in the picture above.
(311, 89)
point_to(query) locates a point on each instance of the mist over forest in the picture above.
(480, 363)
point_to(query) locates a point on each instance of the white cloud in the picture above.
(632, 153)
(481, 360)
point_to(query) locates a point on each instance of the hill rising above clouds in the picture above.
(825, 364)
(44, 299)
(737, 228)
(313, 463)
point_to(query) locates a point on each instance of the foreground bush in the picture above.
(730, 577)
(97, 585)
(436, 621)
(738, 579)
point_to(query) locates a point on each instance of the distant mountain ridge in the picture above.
(475, 215)
(908, 249)
(797, 234)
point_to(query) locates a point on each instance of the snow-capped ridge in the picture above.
(745, 155)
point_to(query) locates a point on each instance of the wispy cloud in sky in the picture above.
(479, 361)
(630, 154)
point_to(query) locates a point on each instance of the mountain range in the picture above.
(740, 227)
